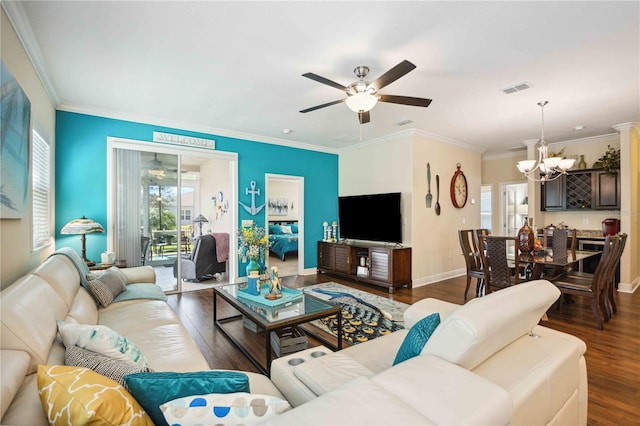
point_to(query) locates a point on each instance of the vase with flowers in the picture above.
(253, 247)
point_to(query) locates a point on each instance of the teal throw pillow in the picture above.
(154, 389)
(417, 337)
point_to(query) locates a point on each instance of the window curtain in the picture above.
(128, 209)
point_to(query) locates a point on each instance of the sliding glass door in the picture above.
(155, 193)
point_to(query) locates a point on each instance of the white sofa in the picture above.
(481, 366)
(488, 362)
(32, 305)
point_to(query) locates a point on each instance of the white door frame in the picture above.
(138, 145)
(299, 180)
(503, 205)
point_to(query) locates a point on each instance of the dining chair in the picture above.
(473, 263)
(610, 303)
(595, 286)
(499, 272)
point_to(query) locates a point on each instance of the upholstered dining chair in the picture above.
(471, 254)
(499, 271)
(596, 286)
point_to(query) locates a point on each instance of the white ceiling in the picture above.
(234, 68)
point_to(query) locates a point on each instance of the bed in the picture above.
(283, 237)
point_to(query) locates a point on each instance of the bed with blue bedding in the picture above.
(283, 238)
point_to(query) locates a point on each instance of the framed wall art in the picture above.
(15, 122)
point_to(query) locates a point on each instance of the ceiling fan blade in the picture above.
(364, 117)
(405, 100)
(393, 74)
(316, 77)
(322, 106)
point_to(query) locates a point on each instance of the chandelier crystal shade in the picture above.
(550, 168)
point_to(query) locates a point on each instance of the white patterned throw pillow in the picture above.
(103, 340)
(223, 409)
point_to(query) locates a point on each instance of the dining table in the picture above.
(556, 261)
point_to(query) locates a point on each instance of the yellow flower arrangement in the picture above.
(253, 243)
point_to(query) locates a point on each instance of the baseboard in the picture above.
(629, 288)
(310, 271)
(419, 282)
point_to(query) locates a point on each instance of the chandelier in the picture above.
(550, 168)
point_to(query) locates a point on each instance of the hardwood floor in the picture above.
(613, 354)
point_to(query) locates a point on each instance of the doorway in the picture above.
(285, 223)
(515, 205)
(161, 199)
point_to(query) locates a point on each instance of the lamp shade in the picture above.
(361, 102)
(82, 226)
(200, 219)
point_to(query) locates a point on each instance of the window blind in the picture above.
(41, 190)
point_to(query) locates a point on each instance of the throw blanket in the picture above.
(222, 246)
(133, 291)
(141, 291)
(82, 267)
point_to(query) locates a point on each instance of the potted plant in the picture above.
(253, 247)
(610, 161)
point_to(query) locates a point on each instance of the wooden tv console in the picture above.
(384, 266)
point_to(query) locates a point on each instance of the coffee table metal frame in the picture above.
(269, 326)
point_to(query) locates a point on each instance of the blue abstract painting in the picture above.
(14, 147)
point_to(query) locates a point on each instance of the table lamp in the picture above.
(83, 226)
(200, 220)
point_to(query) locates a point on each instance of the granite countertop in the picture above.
(592, 234)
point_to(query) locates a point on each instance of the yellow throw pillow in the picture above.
(77, 395)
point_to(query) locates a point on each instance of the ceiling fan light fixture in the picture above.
(361, 102)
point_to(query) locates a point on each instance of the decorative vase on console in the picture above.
(526, 237)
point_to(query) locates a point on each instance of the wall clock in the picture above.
(459, 190)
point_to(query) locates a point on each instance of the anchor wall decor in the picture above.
(253, 209)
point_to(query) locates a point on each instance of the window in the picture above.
(485, 207)
(185, 215)
(41, 188)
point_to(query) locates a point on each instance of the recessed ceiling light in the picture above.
(286, 131)
(579, 127)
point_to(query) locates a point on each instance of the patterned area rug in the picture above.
(365, 316)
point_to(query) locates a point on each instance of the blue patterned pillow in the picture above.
(417, 337)
(229, 409)
(154, 389)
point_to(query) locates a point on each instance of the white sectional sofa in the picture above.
(32, 305)
(488, 362)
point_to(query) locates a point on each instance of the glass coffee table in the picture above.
(295, 308)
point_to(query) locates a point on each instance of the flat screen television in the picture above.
(374, 217)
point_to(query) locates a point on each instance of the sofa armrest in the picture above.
(139, 275)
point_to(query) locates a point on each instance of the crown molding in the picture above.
(625, 126)
(180, 125)
(23, 29)
(409, 133)
(523, 152)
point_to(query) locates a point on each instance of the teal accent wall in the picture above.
(81, 176)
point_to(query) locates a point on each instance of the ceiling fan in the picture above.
(362, 96)
(157, 169)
